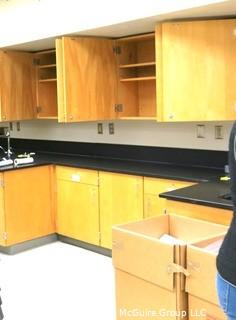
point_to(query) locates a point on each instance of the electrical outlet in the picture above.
(111, 128)
(18, 126)
(200, 131)
(100, 128)
(11, 126)
(219, 132)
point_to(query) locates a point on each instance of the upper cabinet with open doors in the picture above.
(17, 86)
(137, 77)
(196, 70)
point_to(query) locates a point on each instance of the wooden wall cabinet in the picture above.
(77, 204)
(212, 214)
(26, 205)
(17, 86)
(196, 63)
(87, 81)
(46, 84)
(153, 205)
(121, 201)
(97, 79)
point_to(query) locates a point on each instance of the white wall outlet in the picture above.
(111, 128)
(219, 132)
(200, 131)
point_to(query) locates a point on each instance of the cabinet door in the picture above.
(28, 204)
(197, 70)
(77, 211)
(153, 204)
(121, 201)
(87, 79)
(17, 82)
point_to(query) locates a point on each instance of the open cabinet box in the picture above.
(150, 274)
(201, 264)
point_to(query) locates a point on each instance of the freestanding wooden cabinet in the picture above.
(26, 205)
(153, 205)
(196, 70)
(77, 204)
(17, 86)
(121, 201)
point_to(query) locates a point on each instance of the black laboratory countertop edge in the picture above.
(141, 168)
(208, 194)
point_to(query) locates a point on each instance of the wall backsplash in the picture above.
(146, 133)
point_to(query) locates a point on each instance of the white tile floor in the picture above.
(57, 282)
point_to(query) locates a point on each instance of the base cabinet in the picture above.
(153, 204)
(121, 201)
(212, 214)
(77, 204)
(26, 205)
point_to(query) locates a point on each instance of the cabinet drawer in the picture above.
(156, 186)
(77, 175)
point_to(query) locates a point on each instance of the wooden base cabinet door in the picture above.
(77, 211)
(121, 201)
(28, 204)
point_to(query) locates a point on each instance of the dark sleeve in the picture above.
(232, 163)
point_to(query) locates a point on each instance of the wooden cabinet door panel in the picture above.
(88, 80)
(121, 201)
(28, 204)
(77, 211)
(153, 204)
(197, 75)
(18, 87)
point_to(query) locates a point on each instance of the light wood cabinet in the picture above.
(46, 84)
(87, 79)
(26, 205)
(121, 201)
(196, 62)
(137, 77)
(17, 86)
(153, 205)
(212, 214)
(77, 204)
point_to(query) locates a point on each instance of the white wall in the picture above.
(148, 133)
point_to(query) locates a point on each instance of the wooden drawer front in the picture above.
(203, 310)
(77, 175)
(156, 186)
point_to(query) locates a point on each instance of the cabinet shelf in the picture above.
(138, 79)
(136, 65)
(47, 66)
(47, 80)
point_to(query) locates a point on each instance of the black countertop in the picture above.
(207, 194)
(143, 168)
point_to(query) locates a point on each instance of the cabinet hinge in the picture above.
(38, 109)
(36, 61)
(4, 235)
(118, 107)
(2, 184)
(117, 50)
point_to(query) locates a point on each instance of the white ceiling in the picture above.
(135, 26)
